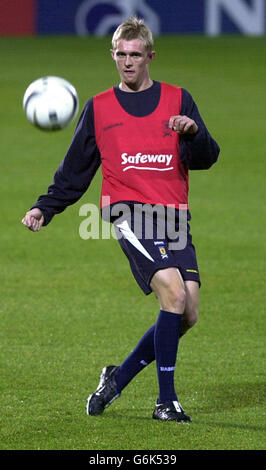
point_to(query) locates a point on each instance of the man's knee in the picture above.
(170, 290)
(191, 311)
(191, 318)
(176, 298)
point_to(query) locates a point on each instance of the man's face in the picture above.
(132, 60)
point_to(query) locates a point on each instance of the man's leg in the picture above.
(144, 353)
(191, 311)
(169, 289)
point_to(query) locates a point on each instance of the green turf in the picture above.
(69, 306)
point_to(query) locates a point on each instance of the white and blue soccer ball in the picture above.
(51, 103)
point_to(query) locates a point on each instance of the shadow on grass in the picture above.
(229, 425)
(229, 396)
(211, 400)
(197, 420)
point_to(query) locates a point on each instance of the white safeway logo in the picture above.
(134, 161)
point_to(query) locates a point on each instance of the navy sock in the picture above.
(140, 357)
(166, 337)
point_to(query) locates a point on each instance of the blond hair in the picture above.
(133, 28)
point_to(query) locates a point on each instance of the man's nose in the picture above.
(128, 61)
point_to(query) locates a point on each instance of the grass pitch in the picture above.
(70, 306)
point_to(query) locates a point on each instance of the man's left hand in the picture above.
(183, 125)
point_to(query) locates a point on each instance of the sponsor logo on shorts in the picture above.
(162, 250)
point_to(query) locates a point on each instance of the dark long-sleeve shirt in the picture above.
(82, 160)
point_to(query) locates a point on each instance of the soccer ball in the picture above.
(51, 103)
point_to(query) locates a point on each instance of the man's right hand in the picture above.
(33, 219)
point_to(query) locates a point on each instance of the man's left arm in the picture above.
(198, 150)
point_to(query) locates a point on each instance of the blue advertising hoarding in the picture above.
(101, 17)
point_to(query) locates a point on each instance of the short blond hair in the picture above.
(133, 28)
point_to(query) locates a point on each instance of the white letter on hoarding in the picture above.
(250, 20)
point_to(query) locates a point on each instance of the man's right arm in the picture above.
(73, 176)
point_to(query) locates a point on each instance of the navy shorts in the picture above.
(155, 250)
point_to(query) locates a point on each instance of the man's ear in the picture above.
(112, 53)
(151, 55)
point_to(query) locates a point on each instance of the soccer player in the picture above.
(146, 135)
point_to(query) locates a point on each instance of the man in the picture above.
(146, 135)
